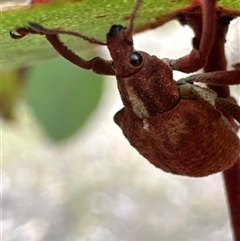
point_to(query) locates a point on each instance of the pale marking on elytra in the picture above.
(145, 124)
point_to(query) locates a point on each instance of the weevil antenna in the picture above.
(133, 15)
(37, 28)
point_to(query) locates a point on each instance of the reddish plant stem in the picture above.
(232, 175)
(232, 185)
(217, 61)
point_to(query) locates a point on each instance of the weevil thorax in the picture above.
(145, 82)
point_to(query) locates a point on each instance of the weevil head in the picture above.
(145, 82)
(120, 44)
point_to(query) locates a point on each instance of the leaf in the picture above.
(232, 4)
(62, 96)
(92, 18)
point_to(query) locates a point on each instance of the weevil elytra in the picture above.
(178, 126)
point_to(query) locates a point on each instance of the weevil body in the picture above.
(190, 139)
(171, 124)
(178, 126)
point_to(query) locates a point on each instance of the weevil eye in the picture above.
(136, 59)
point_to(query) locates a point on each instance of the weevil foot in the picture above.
(32, 28)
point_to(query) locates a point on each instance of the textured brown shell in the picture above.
(190, 139)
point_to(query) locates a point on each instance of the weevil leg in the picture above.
(22, 32)
(198, 57)
(97, 65)
(218, 78)
(228, 107)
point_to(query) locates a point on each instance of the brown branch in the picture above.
(232, 185)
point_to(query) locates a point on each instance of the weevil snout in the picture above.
(120, 46)
(115, 29)
(119, 35)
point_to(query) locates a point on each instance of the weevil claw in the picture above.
(21, 32)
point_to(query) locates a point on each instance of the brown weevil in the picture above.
(178, 126)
